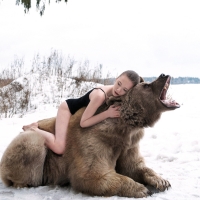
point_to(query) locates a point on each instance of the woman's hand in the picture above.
(113, 111)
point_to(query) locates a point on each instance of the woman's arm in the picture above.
(96, 100)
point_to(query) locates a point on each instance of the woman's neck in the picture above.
(108, 90)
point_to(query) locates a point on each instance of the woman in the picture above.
(92, 100)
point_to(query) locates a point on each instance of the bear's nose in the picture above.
(162, 75)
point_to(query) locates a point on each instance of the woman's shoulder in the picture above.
(98, 94)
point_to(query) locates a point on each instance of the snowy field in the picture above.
(171, 148)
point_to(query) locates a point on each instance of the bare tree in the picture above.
(40, 5)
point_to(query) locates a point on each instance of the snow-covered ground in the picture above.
(171, 148)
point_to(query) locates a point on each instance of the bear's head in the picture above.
(143, 105)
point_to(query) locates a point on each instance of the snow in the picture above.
(171, 148)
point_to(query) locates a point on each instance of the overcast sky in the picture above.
(150, 37)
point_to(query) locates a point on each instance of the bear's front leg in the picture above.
(109, 184)
(151, 178)
(132, 164)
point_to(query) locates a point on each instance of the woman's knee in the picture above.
(60, 151)
(60, 148)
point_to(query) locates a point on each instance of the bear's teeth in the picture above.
(166, 86)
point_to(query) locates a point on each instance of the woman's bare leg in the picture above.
(55, 142)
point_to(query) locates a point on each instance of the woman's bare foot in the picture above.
(30, 126)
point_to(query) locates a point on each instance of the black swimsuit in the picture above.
(76, 104)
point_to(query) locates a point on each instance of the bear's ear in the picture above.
(141, 79)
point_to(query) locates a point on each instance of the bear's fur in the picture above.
(100, 160)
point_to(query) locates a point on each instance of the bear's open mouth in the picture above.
(168, 102)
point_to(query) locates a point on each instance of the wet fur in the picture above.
(100, 160)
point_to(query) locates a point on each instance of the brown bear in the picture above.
(100, 160)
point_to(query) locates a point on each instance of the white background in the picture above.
(150, 37)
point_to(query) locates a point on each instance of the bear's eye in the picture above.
(146, 85)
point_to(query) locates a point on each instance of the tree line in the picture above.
(178, 80)
(174, 81)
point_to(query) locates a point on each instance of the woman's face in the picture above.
(122, 85)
